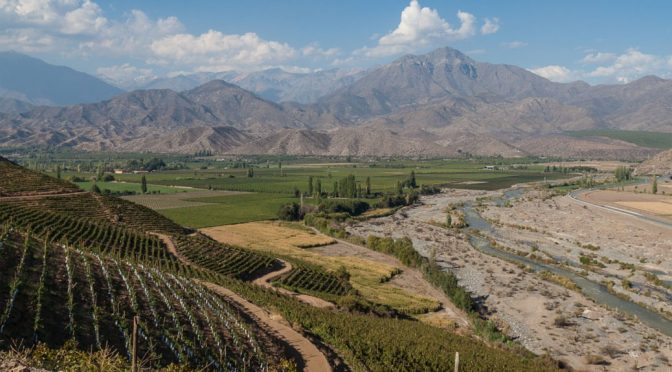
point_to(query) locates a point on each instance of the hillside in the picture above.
(35, 81)
(438, 104)
(76, 268)
(660, 164)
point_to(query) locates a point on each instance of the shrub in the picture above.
(352, 207)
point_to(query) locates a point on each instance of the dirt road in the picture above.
(313, 358)
(265, 281)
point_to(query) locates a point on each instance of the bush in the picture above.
(290, 212)
(351, 207)
(108, 178)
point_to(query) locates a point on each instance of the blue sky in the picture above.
(597, 41)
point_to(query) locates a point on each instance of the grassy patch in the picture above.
(366, 276)
(230, 209)
(130, 186)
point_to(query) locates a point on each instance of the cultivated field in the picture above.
(368, 277)
(177, 200)
(655, 205)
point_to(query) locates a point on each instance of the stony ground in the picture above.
(542, 316)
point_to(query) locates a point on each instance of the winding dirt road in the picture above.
(265, 281)
(313, 358)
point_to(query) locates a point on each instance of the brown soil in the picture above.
(313, 358)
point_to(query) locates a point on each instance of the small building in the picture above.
(139, 171)
(118, 171)
(490, 167)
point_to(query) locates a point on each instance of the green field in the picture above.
(656, 140)
(455, 174)
(231, 209)
(130, 186)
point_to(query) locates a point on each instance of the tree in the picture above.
(58, 172)
(290, 212)
(654, 186)
(310, 185)
(400, 188)
(623, 173)
(449, 220)
(95, 189)
(154, 164)
(143, 185)
(318, 187)
(334, 193)
(368, 186)
(250, 172)
(411, 180)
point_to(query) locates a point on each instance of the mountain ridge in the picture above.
(439, 104)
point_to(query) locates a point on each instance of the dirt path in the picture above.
(265, 281)
(313, 358)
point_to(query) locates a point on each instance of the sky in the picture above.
(127, 42)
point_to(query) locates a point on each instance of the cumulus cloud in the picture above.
(215, 51)
(490, 26)
(554, 73)
(314, 50)
(421, 27)
(598, 57)
(628, 66)
(126, 75)
(513, 44)
(79, 28)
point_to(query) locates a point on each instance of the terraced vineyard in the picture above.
(52, 293)
(223, 259)
(100, 236)
(108, 209)
(18, 181)
(305, 279)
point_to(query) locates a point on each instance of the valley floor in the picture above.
(545, 317)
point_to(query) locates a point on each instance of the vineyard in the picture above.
(106, 208)
(305, 279)
(76, 269)
(18, 181)
(52, 293)
(223, 259)
(103, 237)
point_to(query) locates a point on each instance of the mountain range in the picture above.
(36, 82)
(439, 104)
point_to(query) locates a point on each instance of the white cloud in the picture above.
(513, 44)
(126, 75)
(314, 50)
(420, 27)
(490, 26)
(215, 51)
(598, 57)
(628, 66)
(86, 19)
(554, 73)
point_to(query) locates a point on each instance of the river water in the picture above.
(595, 291)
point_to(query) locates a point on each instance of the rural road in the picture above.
(576, 197)
(312, 357)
